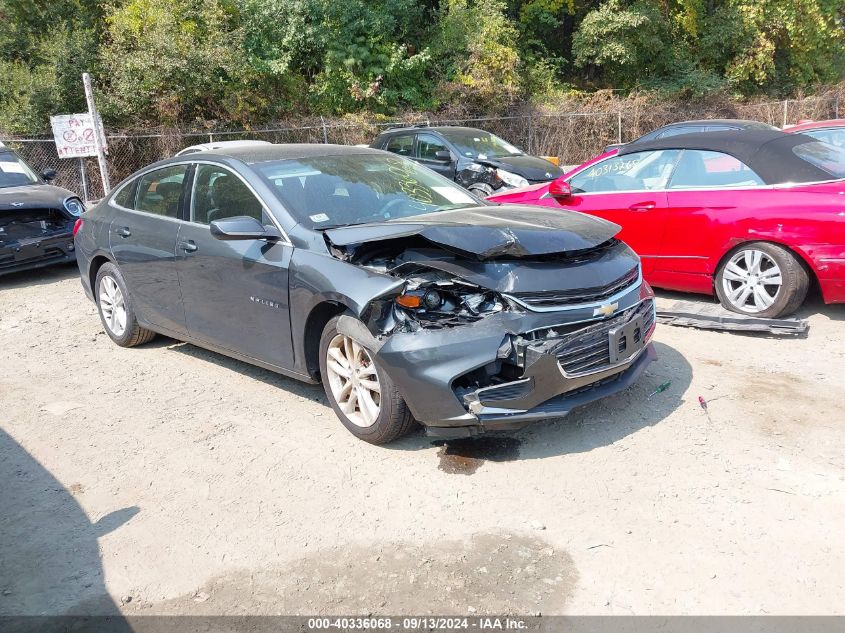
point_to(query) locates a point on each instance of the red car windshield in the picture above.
(827, 157)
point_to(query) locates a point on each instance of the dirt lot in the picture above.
(168, 479)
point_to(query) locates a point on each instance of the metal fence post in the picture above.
(785, 112)
(84, 178)
(325, 131)
(619, 126)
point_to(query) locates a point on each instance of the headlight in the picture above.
(74, 206)
(511, 179)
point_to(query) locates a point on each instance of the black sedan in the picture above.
(475, 159)
(409, 298)
(36, 218)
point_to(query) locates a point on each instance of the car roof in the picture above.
(815, 125)
(768, 152)
(715, 122)
(413, 129)
(262, 153)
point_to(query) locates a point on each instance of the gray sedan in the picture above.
(409, 298)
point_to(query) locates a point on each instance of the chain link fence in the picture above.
(572, 136)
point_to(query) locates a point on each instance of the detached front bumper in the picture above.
(554, 363)
(36, 252)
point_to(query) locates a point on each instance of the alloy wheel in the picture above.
(112, 305)
(751, 280)
(353, 380)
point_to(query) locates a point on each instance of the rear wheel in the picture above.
(362, 395)
(115, 307)
(762, 279)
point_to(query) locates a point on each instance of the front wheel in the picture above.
(762, 279)
(362, 395)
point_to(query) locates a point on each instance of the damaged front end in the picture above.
(34, 237)
(494, 333)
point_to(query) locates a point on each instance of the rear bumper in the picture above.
(36, 253)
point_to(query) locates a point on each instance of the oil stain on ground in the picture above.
(466, 455)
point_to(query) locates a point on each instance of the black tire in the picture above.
(133, 334)
(480, 189)
(794, 275)
(394, 418)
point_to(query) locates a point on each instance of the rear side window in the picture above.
(698, 168)
(126, 196)
(402, 145)
(677, 131)
(830, 158)
(159, 191)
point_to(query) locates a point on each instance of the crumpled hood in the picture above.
(33, 197)
(529, 167)
(487, 232)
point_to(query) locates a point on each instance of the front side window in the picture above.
(14, 172)
(329, 191)
(219, 194)
(428, 145)
(402, 145)
(159, 191)
(830, 158)
(699, 168)
(640, 171)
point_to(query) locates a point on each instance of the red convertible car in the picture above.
(831, 131)
(755, 216)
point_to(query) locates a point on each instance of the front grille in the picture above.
(50, 253)
(588, 350)
(550, 298)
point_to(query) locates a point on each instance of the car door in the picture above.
(235, 292)
(630, 191)
(142, 239)
(425, 153)
(704, 190)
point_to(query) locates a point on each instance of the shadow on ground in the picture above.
(49, 558)
(40, 276)
(598, 424)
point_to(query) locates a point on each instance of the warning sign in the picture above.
(74, 135)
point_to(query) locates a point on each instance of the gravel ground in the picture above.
(169, 479)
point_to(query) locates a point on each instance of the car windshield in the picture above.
(14, 172)
(479, 144)
(829, 158)
(330, 191)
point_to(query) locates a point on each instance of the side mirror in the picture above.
(443, 155)
(560, 189)
(243, 227)
(49, 174)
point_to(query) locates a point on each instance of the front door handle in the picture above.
(642, 206)
(123, 232)
(188, 246)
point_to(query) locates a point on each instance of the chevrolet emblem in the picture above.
(606, 310)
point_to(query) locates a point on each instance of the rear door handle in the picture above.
(188, 246)
(642, 206)
(123, 232)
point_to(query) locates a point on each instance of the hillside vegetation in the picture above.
(245, 62)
